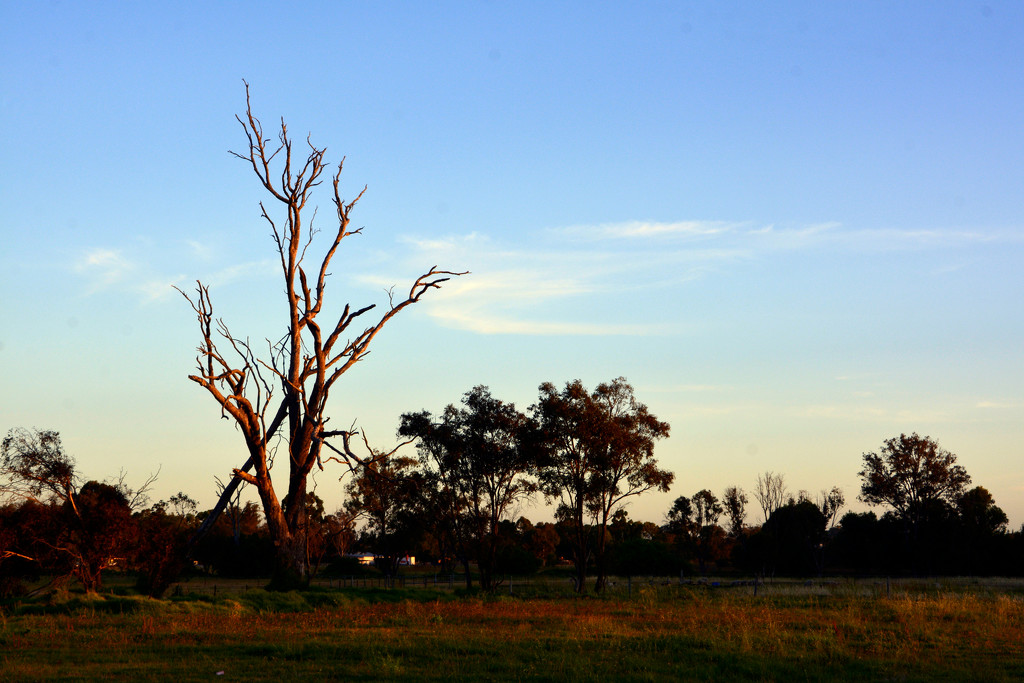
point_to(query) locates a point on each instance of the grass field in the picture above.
(951, 632)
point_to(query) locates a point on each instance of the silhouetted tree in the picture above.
(159, 552)
(734, 503)
(97, 531)
(790, 542)
(94, 524)
(482, 454)
(770, 492)
(706, 511)
(541, 540)
(981, 532)
(910, 471)
(600, 453)
(830, 503)
(385, 492)
(285, 394)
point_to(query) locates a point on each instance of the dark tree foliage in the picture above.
(600, 452)
(734, 504)
(644, 557)
(922, 483)
(159, 553)
(860, 545)
(98, 532)
(540, 540)
(26, 529)
(791, 541)
(237, 544)
(91, 527)
(694, 524)
(34, 466)
(386, 493)
(481, 459)
(911, 473)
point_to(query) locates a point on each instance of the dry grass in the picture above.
(696, 635)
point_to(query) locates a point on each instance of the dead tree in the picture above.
(770, 492)
(279, 401)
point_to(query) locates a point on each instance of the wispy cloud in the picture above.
(686, 388)
(204, 252)
(104, 268)
(476, 321)
(866, 413)
(998, 405)
(241, 271)
(157, 290)
(548, 280)
(648, 229)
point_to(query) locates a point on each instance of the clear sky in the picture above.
(796, 228)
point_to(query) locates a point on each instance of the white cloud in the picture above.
(239, 271)
(648, 229)
(105, 267)
(525, 287)
(998, 405)
(482, 323)
(687, 388)
(862, 413)
(156, 290)
(199, 250)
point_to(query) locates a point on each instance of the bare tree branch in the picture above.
(310, 357)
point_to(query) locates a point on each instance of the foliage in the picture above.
(734, 503)
(34, 465)
(790, 543)
(70, 529)
(600, 452)
(386, 492)
(480, 459)
(910, 473)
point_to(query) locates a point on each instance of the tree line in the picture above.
(588, 451)
(455, 504)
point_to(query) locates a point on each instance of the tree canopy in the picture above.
(909, 473)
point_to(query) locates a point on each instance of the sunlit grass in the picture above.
(691, 634)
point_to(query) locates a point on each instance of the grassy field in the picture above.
(795, 632)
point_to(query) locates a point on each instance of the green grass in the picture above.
(690, 633)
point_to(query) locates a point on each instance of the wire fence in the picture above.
(630, 587)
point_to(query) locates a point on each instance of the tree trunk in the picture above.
(290, 570)
(599, 554)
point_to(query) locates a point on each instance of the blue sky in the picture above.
(796, 229)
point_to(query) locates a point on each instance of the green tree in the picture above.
(385, 493)
(482, 458)
(599, 453)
